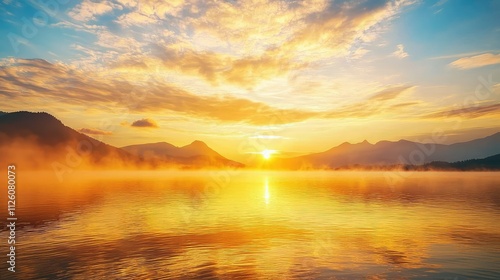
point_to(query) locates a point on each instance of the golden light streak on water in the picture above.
(267, 195)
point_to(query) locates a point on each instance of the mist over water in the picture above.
(256, 225)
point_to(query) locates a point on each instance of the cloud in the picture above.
(39, 82)
(404, 104)
(380, 102)
(388, 94)
(456, 55)
(129, 64)
(158, 8)
(36, 82)
(145, 123)
(128, 3)
(476, 61)
(296, 36)
(332, 31)
(439, 3)
(255, 24)
(359, 53)
(469, 112)
(496, 89)
(135, 19)
(89, 10)
(437, 7)
(242, 43)
(219, 68)
(92, 131)
(400, 52)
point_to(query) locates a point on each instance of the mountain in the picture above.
(40, 141)
(478, 148)
(194, 154)
(392, 153)
(489, 163)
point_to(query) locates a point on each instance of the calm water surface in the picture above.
(257, 225)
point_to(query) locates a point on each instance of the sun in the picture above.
(267, 154)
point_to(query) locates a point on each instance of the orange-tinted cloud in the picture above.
(28, 81)
(93, 131)
(219, 68)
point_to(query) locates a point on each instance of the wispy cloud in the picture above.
(476, 61)
(459, 55)
(469, 112)
(400, 52)
(359, 53)
(439, 3)
(438, 6)
(93, 131)
(41, 80)
(378, 103)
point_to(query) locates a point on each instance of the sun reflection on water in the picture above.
(267, 195)
(321, 225)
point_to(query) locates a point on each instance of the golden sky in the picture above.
(243, 76)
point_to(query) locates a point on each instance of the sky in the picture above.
(294, 77)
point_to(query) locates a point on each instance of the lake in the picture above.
(256, 225)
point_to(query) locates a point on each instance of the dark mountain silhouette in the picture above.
(39, 140)
(385, 153)
(195, 154)
(489, 163)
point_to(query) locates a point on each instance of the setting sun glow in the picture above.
(267, 154)
(259, 139)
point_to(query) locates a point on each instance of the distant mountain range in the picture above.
(489, 163)
(385, 153)
(39, 140)
(194, 154)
